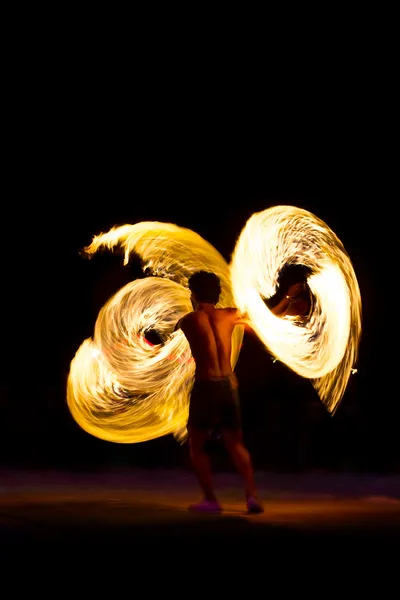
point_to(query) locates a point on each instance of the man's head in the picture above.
(205, 286)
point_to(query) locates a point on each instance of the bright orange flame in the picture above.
(123, 389)
(326, 348)
(120, 387)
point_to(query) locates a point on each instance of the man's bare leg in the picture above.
(233, 440)
(201, 462)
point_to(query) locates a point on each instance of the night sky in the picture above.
(60, 294)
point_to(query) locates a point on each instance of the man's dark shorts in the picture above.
(214, 402)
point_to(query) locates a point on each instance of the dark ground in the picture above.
(136, 515)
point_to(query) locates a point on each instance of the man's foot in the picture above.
(206, 506)
(254, 506)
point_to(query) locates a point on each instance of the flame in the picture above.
(325, 349)
(123, 389)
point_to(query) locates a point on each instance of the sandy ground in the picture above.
(141, 517)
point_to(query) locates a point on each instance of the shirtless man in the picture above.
(214, 397)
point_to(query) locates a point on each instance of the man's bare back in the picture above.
(209, 333)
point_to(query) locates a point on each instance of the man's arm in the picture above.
(283, 305)
(289, 299)
(244, 320)
(278, 310)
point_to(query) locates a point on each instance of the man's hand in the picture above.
(296, 289)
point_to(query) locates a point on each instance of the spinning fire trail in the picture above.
(123, 389)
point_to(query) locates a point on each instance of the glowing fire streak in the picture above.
(120, 387)
(123, 389)
(325, 349)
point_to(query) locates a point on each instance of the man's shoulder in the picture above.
(183, 320)
(230, 310)
(229, 313)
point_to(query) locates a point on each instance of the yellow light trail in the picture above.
(122, 389)
(325, 349)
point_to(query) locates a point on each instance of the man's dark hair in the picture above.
(206, 286)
